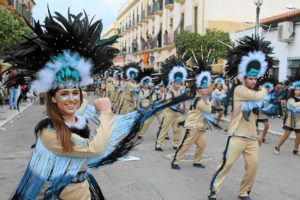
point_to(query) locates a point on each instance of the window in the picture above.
(274, 71)
(171, 23)
(196, 19)
(293, 67)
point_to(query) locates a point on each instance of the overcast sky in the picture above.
(102, 9)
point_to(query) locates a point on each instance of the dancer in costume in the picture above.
(116, 84)
(109, 83)
(249, 60)
(177, 74)
(128, 98)
(198, 118)
(145, 95)
(157, 95)
(262, 117)
(103, 84)
(120, 84)
(62, 57)
(292, 119)
(218, 96)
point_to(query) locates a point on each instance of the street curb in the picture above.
(269, 131)
(14, 115)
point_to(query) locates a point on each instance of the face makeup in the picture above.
(67, 100)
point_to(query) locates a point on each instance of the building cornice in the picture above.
(126, 8)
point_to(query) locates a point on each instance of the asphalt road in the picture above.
(151, 177)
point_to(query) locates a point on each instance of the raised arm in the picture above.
(82, 147)
(243, 93)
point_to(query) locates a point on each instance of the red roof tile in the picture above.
(281, 17)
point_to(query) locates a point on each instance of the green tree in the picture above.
(208, 44)
(12, 29)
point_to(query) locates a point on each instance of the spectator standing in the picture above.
(13, 91)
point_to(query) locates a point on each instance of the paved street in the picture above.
(151, 178)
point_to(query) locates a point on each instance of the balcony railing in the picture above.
(157, 6)
(169, 2)
(22, 10)
(150, 10)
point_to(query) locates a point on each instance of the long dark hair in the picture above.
(290, 94)
(57, 122)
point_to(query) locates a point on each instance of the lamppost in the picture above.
(258, 4)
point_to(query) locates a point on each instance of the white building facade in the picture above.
(283, 31)
(148, 27)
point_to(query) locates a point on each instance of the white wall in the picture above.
(282, 50)
(244, 10)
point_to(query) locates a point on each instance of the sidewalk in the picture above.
(6, 115)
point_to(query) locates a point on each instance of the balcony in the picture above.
(150, 12)
(137, 21)
(158, 10)
(22, 10)
(179, 1)
(169, 4)
(144, 17)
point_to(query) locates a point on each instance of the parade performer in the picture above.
(262, 117)
(109, 83)
(115, 84)
(176, 74)
(199, 118)
(292, 119)
(249, 60)
(120, 84)
(158, 94)
(218, 96)
(128, 98)
(103, 84)
(62, 57)
(145, 95)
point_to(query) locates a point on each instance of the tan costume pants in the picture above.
(147, 123)
(76, 191)
(234, 148)
(192, 136)
(167, 123)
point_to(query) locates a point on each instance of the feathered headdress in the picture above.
(115, 71)
(174, 70)
(131, 71)
(269, 86)
(249, 58)
(219, 80)
(145, 76)
(200, 73)
(65, 52)
(295, 85)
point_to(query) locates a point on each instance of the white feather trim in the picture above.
(131, 69)
(255, 55)
(80, 123)
(115, 73)
(270, 85)
(202, 75)
(219, 80)
(177, 69)
(146, 78)
(46, 76)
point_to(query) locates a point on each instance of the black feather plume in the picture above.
(242, 48)
(58, 33)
